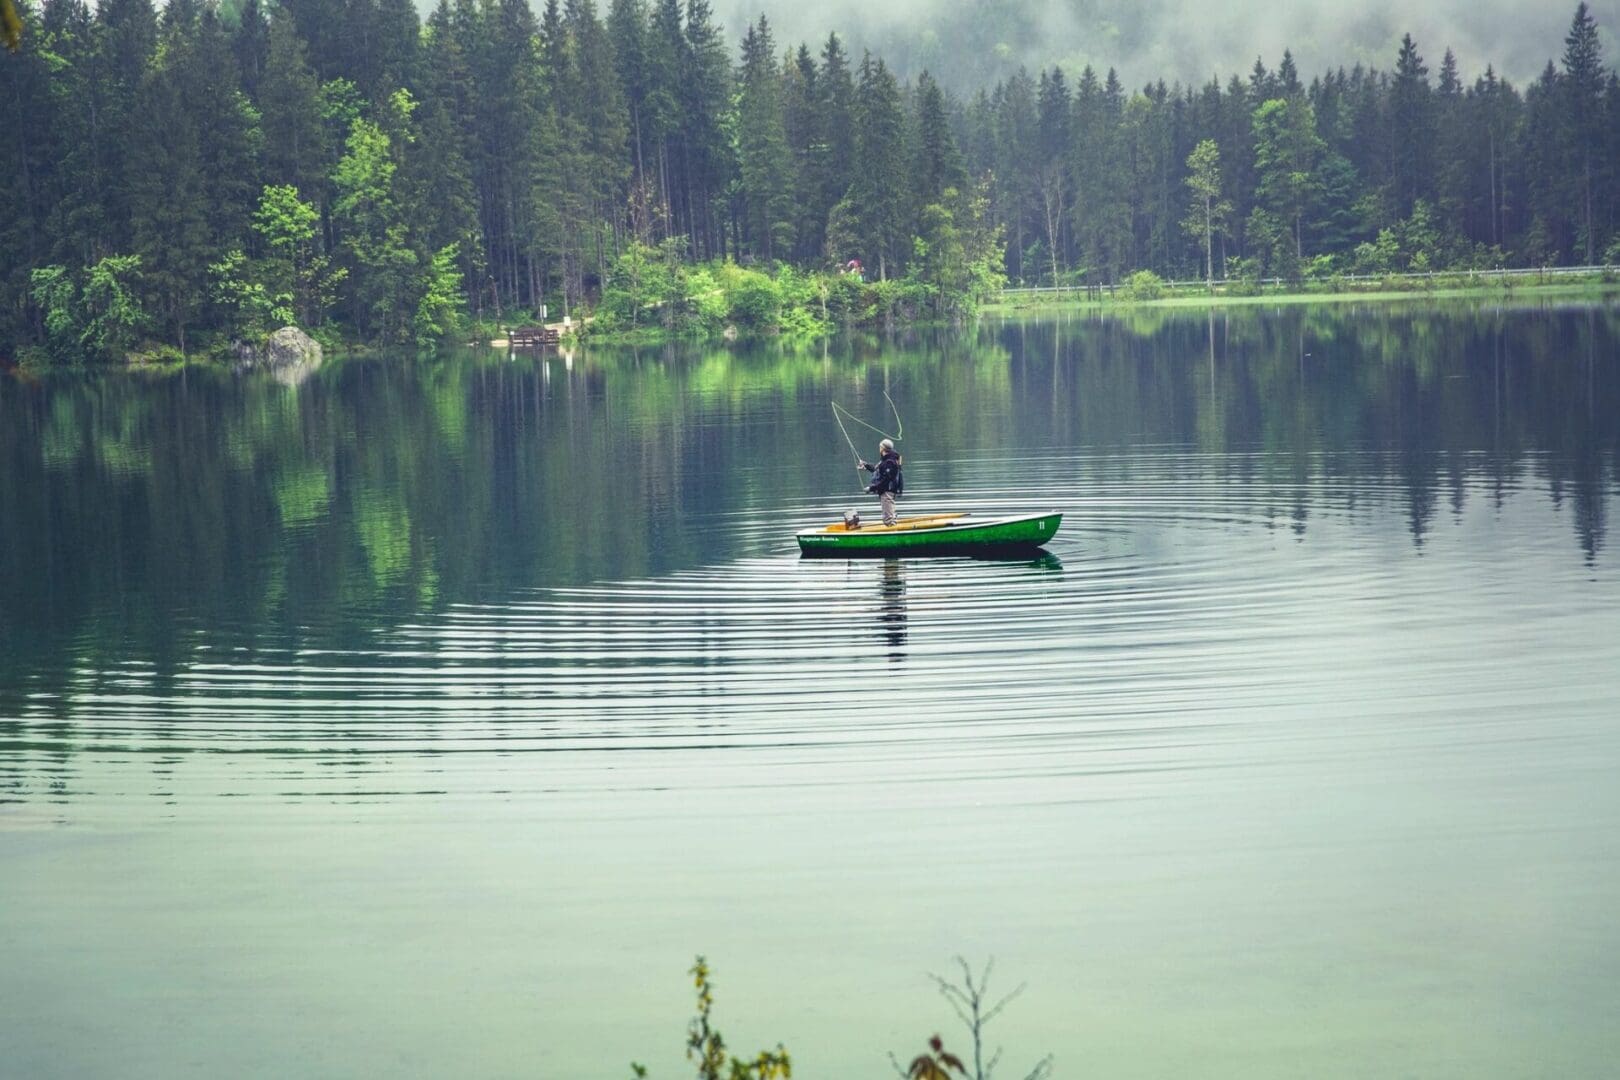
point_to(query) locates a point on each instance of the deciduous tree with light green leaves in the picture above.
(101, 319)
(440, 312)
(113, 316)
(292, 282)
(250, 307)
(289, 228)
(641, 287)
(1208, 211)
(57, 296)
(374, 240)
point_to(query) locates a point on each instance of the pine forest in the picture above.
(177, 179)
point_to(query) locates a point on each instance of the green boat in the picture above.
(933, 534)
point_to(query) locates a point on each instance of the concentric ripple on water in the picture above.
(1179, 615)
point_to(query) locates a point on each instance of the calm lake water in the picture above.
(425, 719)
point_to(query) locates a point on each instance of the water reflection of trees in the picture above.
(136, 510)
(1442, 397)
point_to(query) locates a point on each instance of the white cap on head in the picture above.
(886, 444)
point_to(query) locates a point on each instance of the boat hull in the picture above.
(944, 534)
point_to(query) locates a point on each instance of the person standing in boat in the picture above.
(887, 483)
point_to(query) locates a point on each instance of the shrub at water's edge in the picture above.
(651, 292)
(642, 302)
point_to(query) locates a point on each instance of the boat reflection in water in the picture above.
(893, 618)
(892, 608)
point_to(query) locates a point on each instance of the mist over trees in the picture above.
(966, 45)
(206, 172)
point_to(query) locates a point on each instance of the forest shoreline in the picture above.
(1602, 288)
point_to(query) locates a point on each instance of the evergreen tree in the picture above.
(1610, 174)
(251, 44)
(627, 26)
(126, 37)
(979, 136)
(1051, 174)
(1236, 134)
(1494, 108)
(295, 146)
(802, 122)
(1287, 152)
(1102, 197)
(399, 29)
(1150, 141)
(228, 133)
(1412, 129)
(1263, 84)
(1287, 82)
(594, 102)
(324, 28)
(1017, 167)
(762, 155)
(1549, 236)
(438, 175)
(572, 203)
(374, 42)
(667, 60)
(1583, 126)
(705, 93)
(836, 103)
(167, 194)
(27, 186)
(936, 165)
(875, 208)
(1451, 173)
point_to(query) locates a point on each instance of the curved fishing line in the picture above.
(854, 452)
(837, 409)
(847, 439)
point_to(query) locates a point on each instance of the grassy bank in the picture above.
(1454, 287)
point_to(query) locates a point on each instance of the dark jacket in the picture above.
(887, 476)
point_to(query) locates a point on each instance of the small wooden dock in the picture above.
(533, 337)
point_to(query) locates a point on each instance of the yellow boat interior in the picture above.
(924, 521)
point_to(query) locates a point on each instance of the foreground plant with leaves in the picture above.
(707, 1048)
(937, 1064)
(970, 1000)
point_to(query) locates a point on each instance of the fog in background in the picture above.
(973, 43)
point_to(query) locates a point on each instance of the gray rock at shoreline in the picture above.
(289, 354)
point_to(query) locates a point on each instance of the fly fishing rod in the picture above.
(840, 413)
